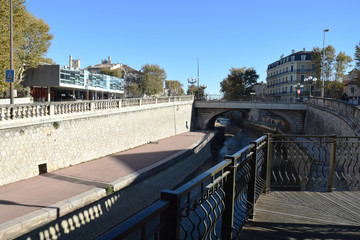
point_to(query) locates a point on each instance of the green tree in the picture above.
(31, 40)
(334, 89)
(152, 79)
(175, 87)
(237, 85)
(135, 90)
(342, 62)
(329, 61)
(198, 92)
(357, 64)
(316, 57)
(112, 72)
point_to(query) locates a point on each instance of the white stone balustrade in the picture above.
(13, 112)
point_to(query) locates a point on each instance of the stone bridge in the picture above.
(293, 114)
(318, 116)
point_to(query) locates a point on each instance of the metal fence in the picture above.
(216, 204)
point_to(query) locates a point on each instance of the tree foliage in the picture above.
(112, 72)
(152, 79)
(357, 64)
(198, 92)
(31, 40)
(237, 85)
(135, 90)
(334, 65)
(175, 87)
(342, 62)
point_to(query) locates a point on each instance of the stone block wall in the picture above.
(61, 142)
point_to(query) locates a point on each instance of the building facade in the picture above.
(286, 75)
(52, 82)
(351, 89)
(129, 74)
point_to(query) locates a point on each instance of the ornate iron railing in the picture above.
(214, 205)
(317, 163)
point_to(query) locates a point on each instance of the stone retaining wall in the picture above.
(61, 142)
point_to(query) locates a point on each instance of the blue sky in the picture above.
(174, 34)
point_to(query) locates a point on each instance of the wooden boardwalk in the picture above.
(305, 215)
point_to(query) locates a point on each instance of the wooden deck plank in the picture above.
(305, 215)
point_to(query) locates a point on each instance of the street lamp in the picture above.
(322, 66)
(298, 87)
(11, 53)
(310, 80)
(192, 81)
(252, 96)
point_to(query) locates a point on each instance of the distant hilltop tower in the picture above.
(106, 61)
(74, 63)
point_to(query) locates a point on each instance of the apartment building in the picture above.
(286, 75)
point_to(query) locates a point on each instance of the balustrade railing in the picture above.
(11, 112)
(216, 204)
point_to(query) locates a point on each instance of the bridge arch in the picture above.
(206, 113)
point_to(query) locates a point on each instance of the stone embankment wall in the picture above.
(321, 122)
(62, 142)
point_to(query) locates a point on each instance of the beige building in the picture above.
(284, 74)
(129, 74)
(351, 89)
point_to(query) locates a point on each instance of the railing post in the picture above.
(171, 217)
(332, 169)
(51, 110)
(252, 183)
(268, 161)
(119, 103)
(229, 201)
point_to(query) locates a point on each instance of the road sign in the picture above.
(298, 91)
(9, 75)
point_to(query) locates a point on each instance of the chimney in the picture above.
(109, 59)
(304, 49)
(70, 62)
(282, 56)
(293, 51)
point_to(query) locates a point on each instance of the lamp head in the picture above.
(326, 30)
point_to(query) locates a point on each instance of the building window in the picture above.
(292, 68)
(291, 78)
(292, 58)
(302, 77)
(302, 67)
(352, 90)
(313, 67)
(303, 57)
(291, 89)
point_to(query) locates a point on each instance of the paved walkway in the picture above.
(45, 197)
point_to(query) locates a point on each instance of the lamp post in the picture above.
(192, 81)
(11, 53)
(252, 96)
(322, 66)
(310, 80)
(298, 87)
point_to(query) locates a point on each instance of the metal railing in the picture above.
(216, 204)
(12, 112)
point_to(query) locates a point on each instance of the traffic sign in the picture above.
(9, 75)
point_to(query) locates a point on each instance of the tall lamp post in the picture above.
(322, 66)
(11, 53)
(310, 80)
(192, 81)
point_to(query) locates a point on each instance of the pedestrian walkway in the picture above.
(26, 204)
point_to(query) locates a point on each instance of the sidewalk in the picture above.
(33, 202)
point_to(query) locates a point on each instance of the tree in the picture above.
(112, 72)
(357, 64)
(152, 79)
(31, 40)
(237, 85)
(334, 89)
(175, 87)
(198, 92)
(135, 90)
(342, 62)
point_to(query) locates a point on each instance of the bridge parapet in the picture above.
(346, 111)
